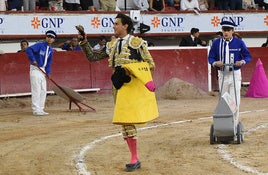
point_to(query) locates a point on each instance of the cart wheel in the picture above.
(212, 137)
(242, 131)
(240, 136)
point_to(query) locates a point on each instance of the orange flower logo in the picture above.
(266, 20)
(95, 22)
(35, 23)
(215, 21)
(155, 22)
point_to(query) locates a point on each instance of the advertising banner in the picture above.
(31, 24)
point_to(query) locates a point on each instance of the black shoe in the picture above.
(132, 167)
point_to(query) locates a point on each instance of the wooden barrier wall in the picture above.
(72, 69)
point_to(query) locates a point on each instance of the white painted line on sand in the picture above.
(81, 167)
(80, 158)
(228, 157)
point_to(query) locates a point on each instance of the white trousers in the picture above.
(230, 85)
(38, 89)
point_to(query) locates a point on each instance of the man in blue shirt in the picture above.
(40, 57)
(70, 45)
(226, 51)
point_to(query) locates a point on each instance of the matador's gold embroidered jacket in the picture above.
(133, 51)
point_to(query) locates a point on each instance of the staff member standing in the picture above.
(40, 56)
(125, 49)
(229, 50)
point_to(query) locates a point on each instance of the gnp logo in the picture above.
(166, 22)
(46, 22)
(215, 21)
(103, 22)
(96, 22)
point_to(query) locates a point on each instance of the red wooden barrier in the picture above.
(187, 64)
(72, 69)
(256, 53)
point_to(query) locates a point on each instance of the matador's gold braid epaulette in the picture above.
(135, 42)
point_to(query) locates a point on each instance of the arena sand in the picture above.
(48, 145)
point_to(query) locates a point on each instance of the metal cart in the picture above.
(226, 127)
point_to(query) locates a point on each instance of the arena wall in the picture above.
(73, 70)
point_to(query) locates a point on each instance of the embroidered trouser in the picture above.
(129, 131)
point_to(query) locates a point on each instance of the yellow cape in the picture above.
(135, 104)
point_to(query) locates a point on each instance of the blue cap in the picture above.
(51, 33)
(228, 24)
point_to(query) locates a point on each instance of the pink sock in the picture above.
(132, 145)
